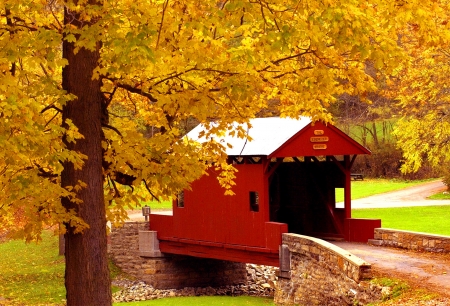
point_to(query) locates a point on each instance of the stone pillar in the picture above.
(149, 244)
(285, 262)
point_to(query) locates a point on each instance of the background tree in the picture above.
(370, 121)
(73, 152)
(423, 94)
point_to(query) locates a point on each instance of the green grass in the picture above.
(369, 187)
(427, 219)
(32, 273)
(398, 287)
(445, 195)
(204, 301)
(155, 205)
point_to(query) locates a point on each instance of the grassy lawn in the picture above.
(427, 219)
(32, 273)
(155, 205)
(369, 187)
(445, 195)
(204, 301)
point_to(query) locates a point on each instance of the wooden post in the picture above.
(347, 189)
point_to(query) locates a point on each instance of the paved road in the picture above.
(411, 196)
(426, 270)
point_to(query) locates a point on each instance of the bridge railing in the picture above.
(320, 272)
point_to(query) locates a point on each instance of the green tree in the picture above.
(80, 78)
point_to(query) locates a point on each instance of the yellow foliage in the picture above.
(421, 85)
(165, 65)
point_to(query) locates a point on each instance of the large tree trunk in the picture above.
(87, 276)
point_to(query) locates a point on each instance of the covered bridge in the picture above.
(286, 182)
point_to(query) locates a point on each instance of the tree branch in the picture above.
(50, 107)
(173, 76)
(112, 128)
(162, 21)
(276, 62)
(50, 4)
(133, 89)
(149, 191)
(4, 170)
(115, 187)
(291, 72)
(217, 71)
(124, 179)
(48, 122)
(111, 95)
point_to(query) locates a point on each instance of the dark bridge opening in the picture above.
(302, 194)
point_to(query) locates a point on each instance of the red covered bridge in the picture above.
(286, 182)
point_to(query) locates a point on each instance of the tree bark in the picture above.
(87, 277)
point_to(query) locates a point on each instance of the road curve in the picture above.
(411, 196)
(429, 270)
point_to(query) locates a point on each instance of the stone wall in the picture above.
(323, 274)
(411, 240)
(169, 271)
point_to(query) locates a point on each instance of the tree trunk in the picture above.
(87, 277)
(375, 135)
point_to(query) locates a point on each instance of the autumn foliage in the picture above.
(153, 66)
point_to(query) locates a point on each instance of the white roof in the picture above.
(268, 134)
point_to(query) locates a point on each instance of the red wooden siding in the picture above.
(296, 196)
(163, 224)
(209, 215)
(360, 230)
(311, 142)
(273, 234)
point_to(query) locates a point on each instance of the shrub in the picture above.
(385, 162)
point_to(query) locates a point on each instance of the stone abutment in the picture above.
(323, 274)
(140, 257)
(312, 271)
(409, 240)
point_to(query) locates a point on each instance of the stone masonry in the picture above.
(169, 271)
(411, 240)
(324, 274)
(312, 272)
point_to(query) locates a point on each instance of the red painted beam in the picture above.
(360, 230)
(261, 256)
(274, 231)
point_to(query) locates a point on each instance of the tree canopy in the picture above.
(123, 78)
(422, 90)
